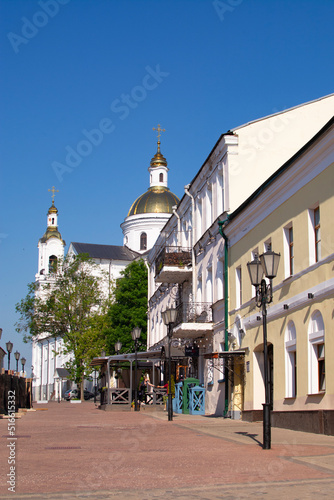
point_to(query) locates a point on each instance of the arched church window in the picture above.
(52, 264)
(161, 177)
(143, 241)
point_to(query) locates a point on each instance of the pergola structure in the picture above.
(123, 396)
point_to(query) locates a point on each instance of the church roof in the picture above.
(157, 200)
(109, 252)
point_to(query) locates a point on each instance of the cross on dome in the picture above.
(159, 130)
(53, 190)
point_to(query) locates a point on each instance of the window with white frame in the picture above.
(316, 357)
(288, 251)
(314, 235)
(290, 361)
(238, 287)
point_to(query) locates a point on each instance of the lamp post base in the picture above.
(266, 426)
(170, 407)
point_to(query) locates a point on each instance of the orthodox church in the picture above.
(141, 227)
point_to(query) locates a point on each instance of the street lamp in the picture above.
(118, 347)
(9, 347)
(135, 334)
(266, 265)
(17, 357)
(169, 318)
(23, 362)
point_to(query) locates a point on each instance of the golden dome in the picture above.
(158, 159)
(52, 209)
(51, 232)
(157, 200)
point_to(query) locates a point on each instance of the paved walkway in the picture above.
(65, 451)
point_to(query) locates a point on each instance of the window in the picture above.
(143, 241)
(317, 375)
(316, 224)
(161, 177)
(314, 235)
(238, 287)
(290, 361)
(291, 256)
(52, 264)
(288, 251)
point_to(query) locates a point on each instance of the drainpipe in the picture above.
(178, 225)
(221, 230)
(194, 288)
(148, 306)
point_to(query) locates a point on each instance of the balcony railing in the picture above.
(173, 256)
(190, 312)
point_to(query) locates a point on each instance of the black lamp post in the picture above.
(17, 357)
(169, 318)
(118, 347)
(267, 265)
(9, 347)
(135, 334)
(23, 362)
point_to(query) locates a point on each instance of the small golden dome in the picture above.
(157, 200)
(52, 209)
(158, 159)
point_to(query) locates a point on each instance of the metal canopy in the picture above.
(141, 356)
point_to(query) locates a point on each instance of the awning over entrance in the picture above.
(61, 373)
(225, 354)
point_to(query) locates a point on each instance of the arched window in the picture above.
(290, 361)
(143, 241)
(161, 177)
(316, 336)
(52, 264)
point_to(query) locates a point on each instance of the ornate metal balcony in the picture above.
(193, 320)
(173, 265)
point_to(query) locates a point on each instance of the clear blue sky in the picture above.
(198, 68)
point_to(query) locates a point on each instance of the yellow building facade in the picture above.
(291, 214)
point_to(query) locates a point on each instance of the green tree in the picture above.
(129, 308)
(72, 306)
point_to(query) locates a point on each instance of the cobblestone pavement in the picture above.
(65, 451)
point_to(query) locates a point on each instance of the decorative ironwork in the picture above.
(175, 256)
(194, 312)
